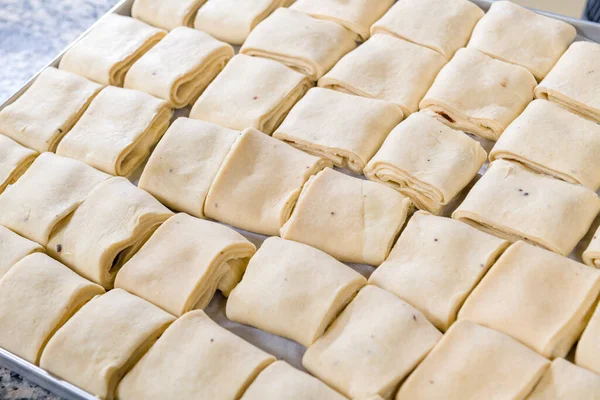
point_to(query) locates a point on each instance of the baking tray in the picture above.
(281, 348)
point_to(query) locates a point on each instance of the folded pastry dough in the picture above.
(185, 162)
(306, 44)
(38, 295)
(369, 349)
(259, 183)
(117, 131)
(573, 81)
(251, 92)
(344, 128)
(103, 341)
(563, 381)
(109, 227)
(516, 295)
(14, 161)
(588, 349)
(46, 193)
(386, 68)
(514, 203)
(475, 362)
(167, 15)
(306, 290)
(107, 52)
(46, 112)
(591, 255)
(202, 361)
(442, 25)
(479, 94)
(13, 248)
(352, 219)
(426, 161)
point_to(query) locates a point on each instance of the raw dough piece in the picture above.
(38, 295)
(306, 44)
(514, 34)
(202, 361)
(540, 298)
(386, 68)
(180, 67)
(118, 129)
(185, 162)
(426, 161)
(184, 263)
(574, 80)
(13, 248)
(442, 25)
(473, 362)
(14, 161)
(369, 349)
(566, 381)
(591, 255)
(514, 203)
(344, 128)
(103, 341)
(479, 94)
(352, 219)
(306, 290)
(259, 183)
(106, 53)
(46, 193)
(426, 270)
(251, 92)
(280, 380)
(588, 348)
(109, 227)
(49, 108)
(167, 15)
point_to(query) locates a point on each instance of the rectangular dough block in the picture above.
(117, 131)
(14, 161)
(587, 353)
(591, 255)
(473, 362)
(107, 52)
(49, 108)
(344, 128)
(13, 248)
(563, 381)
(306, 290)
(251, 92)
(306, 44)
(202, 361)
(185, 162)
(166, 15)
(538, 297)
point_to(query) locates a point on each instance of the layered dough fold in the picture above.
(564, 380)
(591, 255)
(587, 353)
(166, 15)
(13, 248)
(14, 161)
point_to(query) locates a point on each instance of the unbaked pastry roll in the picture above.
(591, 255)
(478, 94)
(166, 15)
(563, 381)
(587, 353)
(352, 219)
(251, 92)
(306, 290)
(516, 295)
(346, 129)
(514, 203)
(185, 162)
(473, 362)
(372, 346)
(426, 161)
(103, 341)
(259, 183)
(38, 295)
(306, 44)
(14, 161)
(106, 53)
(46, 193)
(117, 131)
(48, 109)
(13, 248)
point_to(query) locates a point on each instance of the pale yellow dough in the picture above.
(13, 248)
(591, 255)
(117, 131)
(587, 353)
(14, 161)
(38, 295)
(306, 44)
(372, 346)
(185, 162)
(538, 297)
(49, 108)
(103, 341)
(251, 92)
(202, 361)
(107, 52)
(166, 15)
(352, 219)
(306, 290)
(472, 362)
(566, 381)
(346, 129)
(259, 183)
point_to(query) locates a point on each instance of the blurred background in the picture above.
(571, 8)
